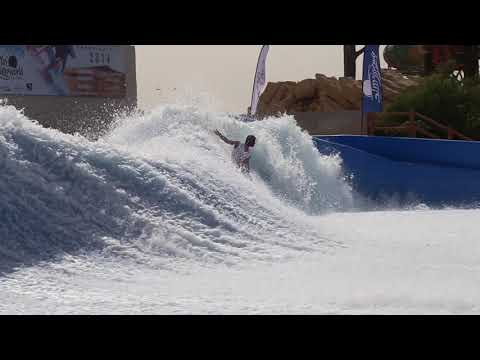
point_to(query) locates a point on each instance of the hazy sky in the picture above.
(223, 74)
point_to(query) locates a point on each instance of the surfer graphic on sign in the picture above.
(51, 61)
(54, 71)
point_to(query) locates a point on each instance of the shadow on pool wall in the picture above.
(435, 172)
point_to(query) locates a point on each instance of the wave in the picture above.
(161, 186)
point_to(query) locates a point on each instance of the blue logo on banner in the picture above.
(372, 80)
(13, 50)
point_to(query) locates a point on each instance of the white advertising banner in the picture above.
(260, 78)
(63, 70)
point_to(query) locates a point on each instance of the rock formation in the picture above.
(327, 94)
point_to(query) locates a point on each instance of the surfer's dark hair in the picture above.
(250, 141)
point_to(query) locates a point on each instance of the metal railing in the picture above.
(412, 127)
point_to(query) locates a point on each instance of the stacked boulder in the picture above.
(327, 94)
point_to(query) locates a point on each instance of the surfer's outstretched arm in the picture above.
(230, 142)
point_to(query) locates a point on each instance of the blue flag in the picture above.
(372, 81)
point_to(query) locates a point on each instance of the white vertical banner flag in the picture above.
(260, 79)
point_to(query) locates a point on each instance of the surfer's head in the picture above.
(250, 140)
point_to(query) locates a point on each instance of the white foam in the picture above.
(151, 218)
(163, 184)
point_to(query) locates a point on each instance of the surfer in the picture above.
(241, 153)
(53, 72)
(62, 52)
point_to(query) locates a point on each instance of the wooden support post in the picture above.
(411, 116)
(412, 129)
(428, 67)
(412, 124)
(471, 61)
(450, 134)
(349, 64)
(371, 125)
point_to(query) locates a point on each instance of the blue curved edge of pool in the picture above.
(435, 172)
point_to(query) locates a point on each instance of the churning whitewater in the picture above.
(154, 218)
(161, 184)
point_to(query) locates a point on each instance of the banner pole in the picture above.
(372, 89)
(362, 103)
(259, 80)
(254, 81)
